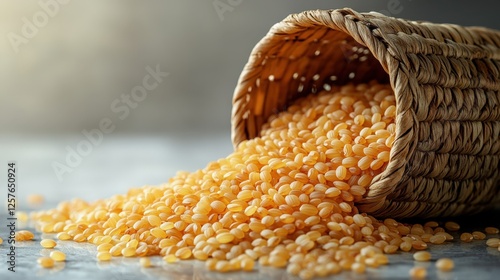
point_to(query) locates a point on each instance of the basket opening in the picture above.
(289, 66)
(331, 57)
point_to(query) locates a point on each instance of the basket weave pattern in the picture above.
(446, 78)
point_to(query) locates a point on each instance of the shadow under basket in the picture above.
(446, 80)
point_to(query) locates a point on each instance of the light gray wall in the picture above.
(89, 53)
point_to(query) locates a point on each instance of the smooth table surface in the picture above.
(122, 162)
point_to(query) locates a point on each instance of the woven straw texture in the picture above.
(446, 79)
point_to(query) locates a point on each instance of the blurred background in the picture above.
(68, 65)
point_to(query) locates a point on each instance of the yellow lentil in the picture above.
(35, 199)
(418, 272)
(145, 262)
(466, 237)
(445, 264)
(491, 230)
(358, 268)
(225, 237)
(247, 264)
(24, 235)
(452, 226)
(405, 246)
(63, 236)
(493, 242)
(46, 262)
(183, 253)
(431, 224)
(48, 243)
(58, 256)
(422, 256)
(105, 247)
(22, 216)
(478, 235)
(437, 239)
(128, 252)
(170, 258)
(103, 256)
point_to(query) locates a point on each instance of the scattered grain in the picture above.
(445, 264)
(422, 256)
(24, 235)
(418, 272)
(103, 256)
(46, 262)
(58, 256)
(452, 226)
(491, 230)
(48, 243)
(466, 237)
(145, 262)
(493, 242)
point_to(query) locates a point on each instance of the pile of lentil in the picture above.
(285, 199)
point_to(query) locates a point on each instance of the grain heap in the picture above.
(285, 199)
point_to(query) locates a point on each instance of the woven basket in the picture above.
(446, 79)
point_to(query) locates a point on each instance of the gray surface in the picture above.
(122, 162)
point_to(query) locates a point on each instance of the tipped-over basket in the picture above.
(446, 78)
